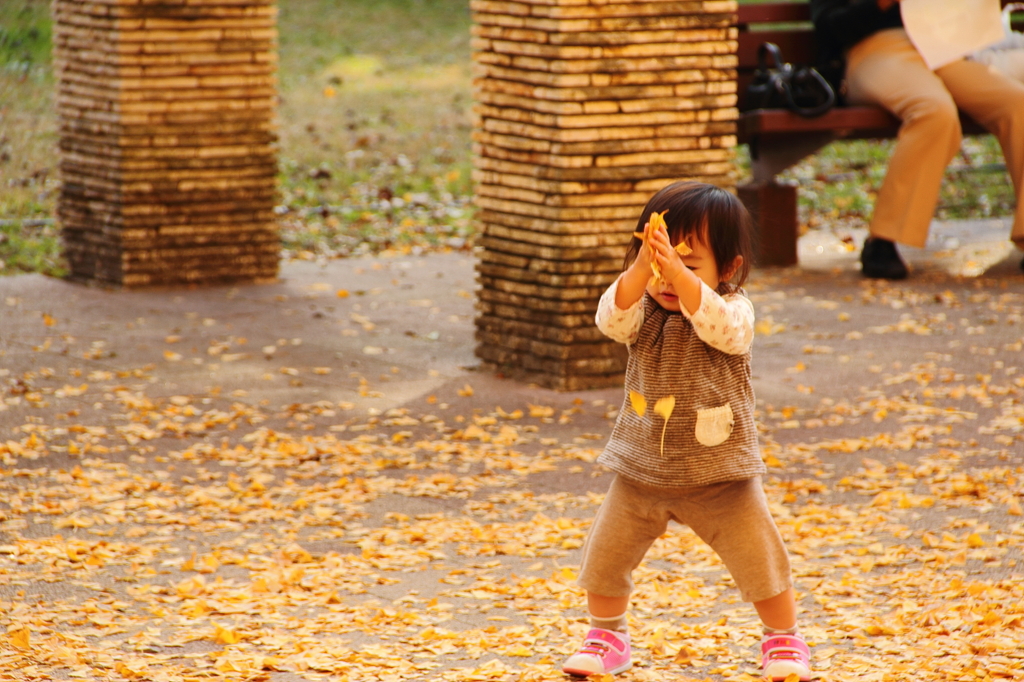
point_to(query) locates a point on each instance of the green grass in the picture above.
(375, 137)
(837, 186)
(375, 124)
(28, 238)
(24, 34)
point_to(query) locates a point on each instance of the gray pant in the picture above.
(733, 518)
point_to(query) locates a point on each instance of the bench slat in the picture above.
(781, 121)
(855, 122)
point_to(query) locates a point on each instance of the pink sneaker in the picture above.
(604, 652)
(785, 655)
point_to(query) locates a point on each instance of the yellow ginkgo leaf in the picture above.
(683, 249)
(638, 402)
(657, 221)
(19, 638)
(126, 671)
(540, 411)
(226, 636)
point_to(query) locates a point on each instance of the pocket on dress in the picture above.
(714, 425)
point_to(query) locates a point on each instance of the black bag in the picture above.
(801, 89)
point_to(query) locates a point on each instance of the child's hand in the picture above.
(668, 259)
(644, 258)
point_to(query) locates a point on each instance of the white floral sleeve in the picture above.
(614, 322)
(724, 322)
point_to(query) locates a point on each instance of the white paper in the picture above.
(946, 30)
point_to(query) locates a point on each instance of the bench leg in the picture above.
(771, 156)
(773, 208)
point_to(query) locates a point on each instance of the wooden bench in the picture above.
(778, 138)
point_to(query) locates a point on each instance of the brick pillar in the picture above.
(582, 111)
(168, 148)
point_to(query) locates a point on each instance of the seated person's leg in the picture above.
(996, 101)
(886, 70)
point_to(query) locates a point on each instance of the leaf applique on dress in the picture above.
(638, 402)
(664, 408)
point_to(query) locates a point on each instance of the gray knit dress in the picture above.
(710, 436)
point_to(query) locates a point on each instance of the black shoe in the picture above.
(881, 260)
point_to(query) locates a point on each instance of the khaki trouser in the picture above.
(885, 69)
(733, 518)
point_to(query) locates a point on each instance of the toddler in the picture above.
(684, 446)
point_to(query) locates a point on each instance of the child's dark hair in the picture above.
(693, 205)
